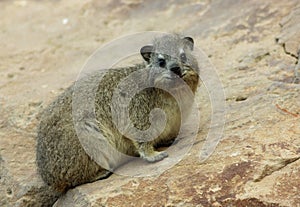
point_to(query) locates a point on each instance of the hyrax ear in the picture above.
(146, 52)
(189, 42)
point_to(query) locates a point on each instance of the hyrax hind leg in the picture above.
(147, 152)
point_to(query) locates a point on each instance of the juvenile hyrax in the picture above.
(61, 159)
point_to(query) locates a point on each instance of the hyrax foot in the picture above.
(147, 152)
(156, 156)
(104, 174)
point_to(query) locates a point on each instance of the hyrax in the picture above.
(62, 161)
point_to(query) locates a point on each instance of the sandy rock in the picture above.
(257, 162)
(290, 35)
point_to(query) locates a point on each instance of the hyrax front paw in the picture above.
(156, 156)
(147, 152)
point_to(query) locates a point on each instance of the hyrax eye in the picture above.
(183, 58)
(161, 62)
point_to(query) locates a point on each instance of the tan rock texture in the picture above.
(254, 47)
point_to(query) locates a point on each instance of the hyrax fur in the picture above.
(62, 161)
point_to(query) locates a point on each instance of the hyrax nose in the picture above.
(175, 69)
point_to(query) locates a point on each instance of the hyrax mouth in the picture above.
(186, 76)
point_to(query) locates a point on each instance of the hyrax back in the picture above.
(61, 159)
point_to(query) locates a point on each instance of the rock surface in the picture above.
(257, 163)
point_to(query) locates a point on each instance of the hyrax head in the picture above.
(170, 61)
